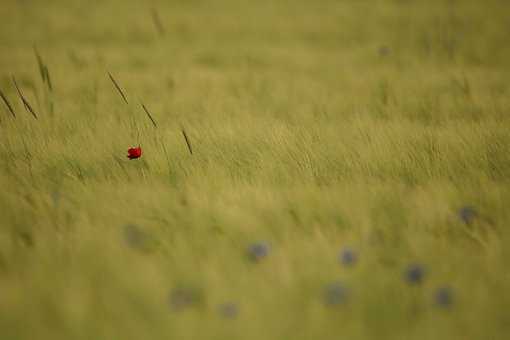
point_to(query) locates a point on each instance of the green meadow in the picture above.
(346, 173)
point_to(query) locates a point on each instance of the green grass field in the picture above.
(379, 129)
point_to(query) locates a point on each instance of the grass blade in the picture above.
(149, 115)
(48, 79)
(40, 63)
(25, 102)
(4, 98)
(187, 141)
(157, 22)
(118, 87)
(19, 92)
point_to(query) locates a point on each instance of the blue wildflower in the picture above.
(414, 274)
(468, 214)
(182, 298)
(348, 257)
(134, 236)
(228, 310)
(444, 297)
(335, 293)
(258, 251)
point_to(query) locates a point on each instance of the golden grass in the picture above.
(309, 126)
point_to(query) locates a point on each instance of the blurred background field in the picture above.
(349, 176)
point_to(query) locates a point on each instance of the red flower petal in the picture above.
(134, 152)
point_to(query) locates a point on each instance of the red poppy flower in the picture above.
(134, 152)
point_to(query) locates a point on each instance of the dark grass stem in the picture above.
(117, 87)
(149, 115)
(48, 78)
(6, 102)
(27, 105)
(188, 143)
(157, 22)
(41, 65)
